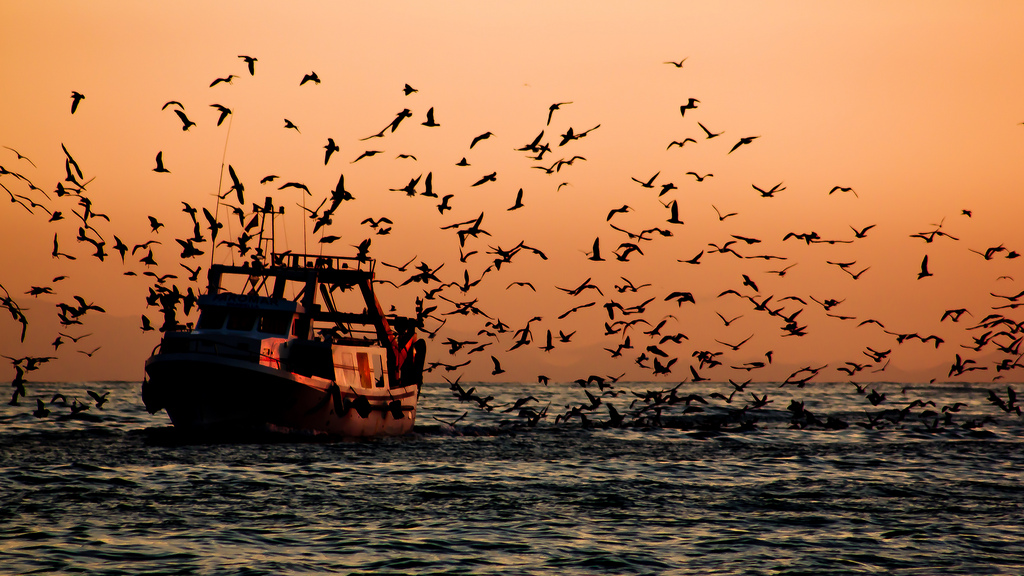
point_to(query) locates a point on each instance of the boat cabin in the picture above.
(299, 325)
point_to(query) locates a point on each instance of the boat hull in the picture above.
(201, 393)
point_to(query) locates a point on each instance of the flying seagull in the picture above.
(76, 97)
(251, 62)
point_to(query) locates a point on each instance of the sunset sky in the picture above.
(915, 106)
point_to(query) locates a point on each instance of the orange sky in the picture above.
(917, 107)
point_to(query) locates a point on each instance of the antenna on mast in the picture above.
(304, 250)
(267, 241)
(220, 184)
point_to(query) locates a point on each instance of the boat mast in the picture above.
(267, 241)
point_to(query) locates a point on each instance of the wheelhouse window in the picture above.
(275, 323)
(241, 320)
(365, 374)
(212, 319)
(378, 364)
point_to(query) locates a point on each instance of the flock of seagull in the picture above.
(652, 344)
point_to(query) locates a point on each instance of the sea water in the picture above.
(115, 490)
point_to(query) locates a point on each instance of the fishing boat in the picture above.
(293, 342)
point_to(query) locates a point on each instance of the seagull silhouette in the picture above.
(769, 193)
(223, 112)
(744, 140)
(553, 107)
(251, 63)
(595, 253)
(444, 203)
(709, 133)
(483, 136)
(497, 367)
(680, 144)
(674, 213)
(185, 122)
(227, 80)
(21, 156)
(330, 148)
(649, 183)
(722, 217)
(160, 163)
(924, 273)
(690, 105)
(402, 115)
(842, 189)
(76, 98)
(100, 399)
(519, 201)
(492, 177)
(694, 260)
(862, 232)
(366, 154)
(430, 119)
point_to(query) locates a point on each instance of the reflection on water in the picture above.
(122, 493)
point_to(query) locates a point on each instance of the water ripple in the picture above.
(130, 496)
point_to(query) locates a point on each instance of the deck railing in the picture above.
(318, 261)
